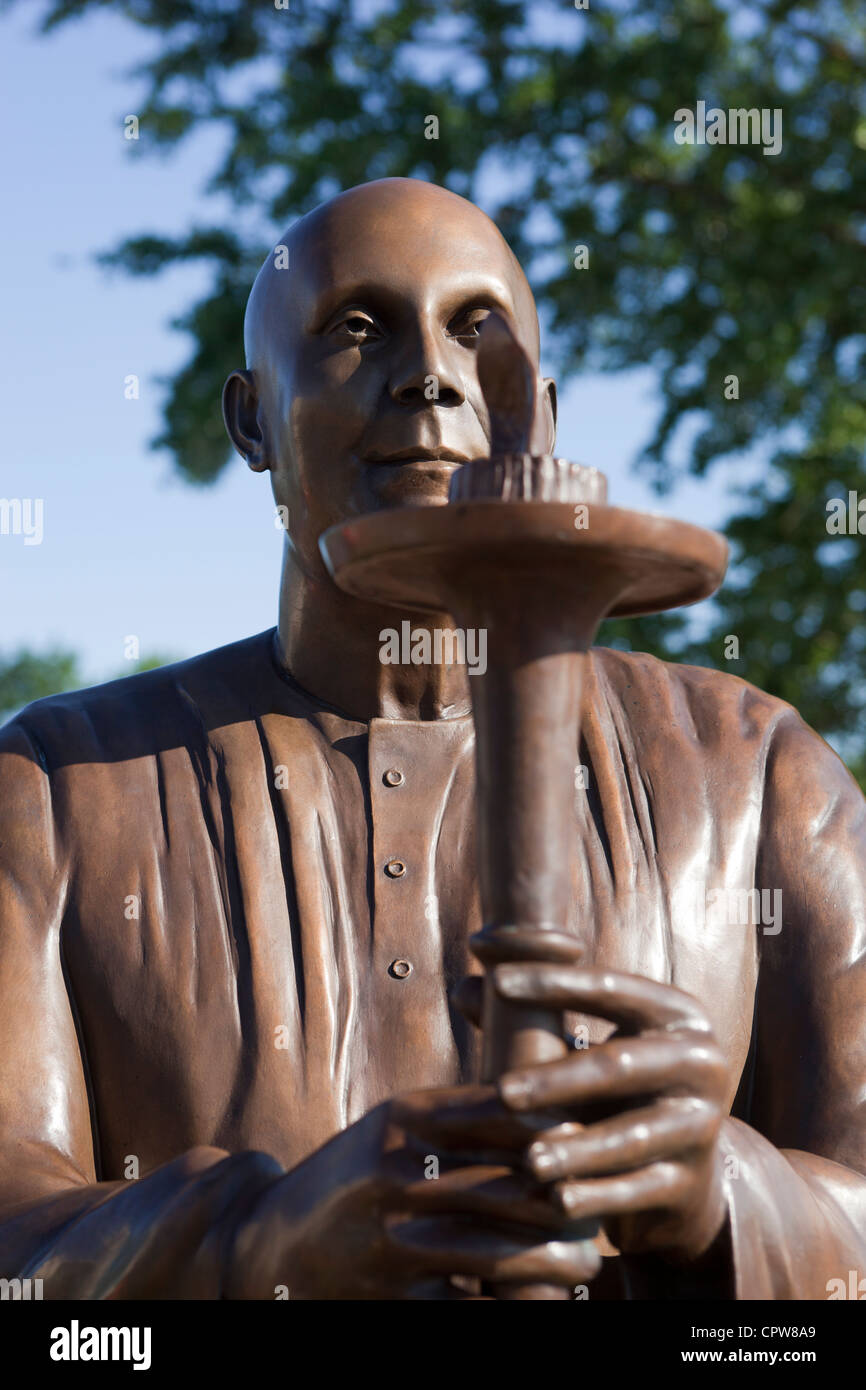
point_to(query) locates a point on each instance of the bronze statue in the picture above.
(237, 993)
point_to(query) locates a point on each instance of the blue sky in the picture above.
(128, 548)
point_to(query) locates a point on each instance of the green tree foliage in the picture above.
(28, 675)
(705, 261)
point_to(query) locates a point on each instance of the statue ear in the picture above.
(544, 423)
(243, 420)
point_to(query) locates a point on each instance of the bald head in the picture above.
(385, 224)
(362, 334)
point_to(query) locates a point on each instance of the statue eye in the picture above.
(356, 326)
(468, 323)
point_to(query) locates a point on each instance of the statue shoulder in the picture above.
(703, 690)
(722, 712)
(136, 715)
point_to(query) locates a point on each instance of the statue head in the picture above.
(361, 386)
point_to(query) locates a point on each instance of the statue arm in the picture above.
(795, 1172)
(163, 1235)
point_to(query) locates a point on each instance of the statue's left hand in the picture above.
(637, 1142)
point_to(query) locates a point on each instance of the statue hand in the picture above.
(424, 1187)
(638, 1116)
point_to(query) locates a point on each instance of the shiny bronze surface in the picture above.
(239, 1052)
(633, 561)
(537, 577)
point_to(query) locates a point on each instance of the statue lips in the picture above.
(416, 457)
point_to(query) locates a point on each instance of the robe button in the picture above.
(394, 777)
(400, 969)
(395, 868)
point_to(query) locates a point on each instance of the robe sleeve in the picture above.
(168, 1234)
(795, 1171)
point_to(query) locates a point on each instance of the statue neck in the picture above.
(332, 646)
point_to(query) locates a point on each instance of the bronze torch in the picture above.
(528, 550)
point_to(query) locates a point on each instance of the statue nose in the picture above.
(424, 373)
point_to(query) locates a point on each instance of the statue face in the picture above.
(364, 390)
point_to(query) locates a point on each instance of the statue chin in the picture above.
(416, 483)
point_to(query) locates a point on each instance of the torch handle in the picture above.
(527, 715)
(517, 1035)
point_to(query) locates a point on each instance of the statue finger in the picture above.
(627, 1141)
(618, 1069)
(655, 1187)
(634, 1003)
(459, 1246)
(469, 1119)
(493, 1193)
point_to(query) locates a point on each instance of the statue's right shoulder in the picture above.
(137, 716)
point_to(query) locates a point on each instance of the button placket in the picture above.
(405, 996)
(411, 764)
(399, 848)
